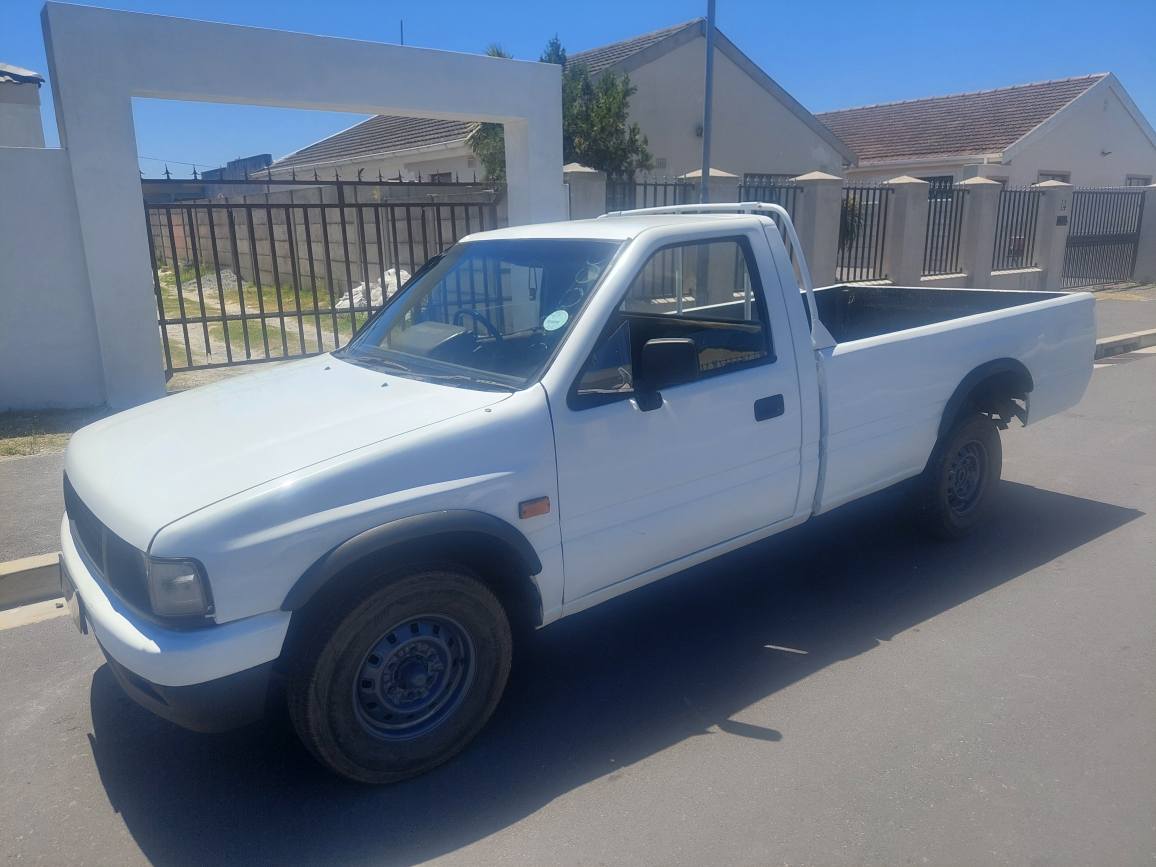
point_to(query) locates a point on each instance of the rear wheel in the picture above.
(396, 683)
(957, 488)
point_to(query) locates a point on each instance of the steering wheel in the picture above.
(480, 317)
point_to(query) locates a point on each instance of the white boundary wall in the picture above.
(101, 59)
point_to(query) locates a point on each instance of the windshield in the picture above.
(486, 313)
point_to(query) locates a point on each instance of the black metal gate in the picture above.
(279, 270)
(1103, 237)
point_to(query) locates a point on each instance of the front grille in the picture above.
(120, 564)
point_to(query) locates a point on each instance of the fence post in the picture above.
(723, 186)
(1145, 270)
(1052, 231)
(587, 191)
(906, 230)
(977, 244)
(817, 222)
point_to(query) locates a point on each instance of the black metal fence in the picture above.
(863, 233)
(772, 189)
(1103, 236)
(1015, 229)
(944, 230)
(625, 194)
(267, 278)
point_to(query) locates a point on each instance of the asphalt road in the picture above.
(845, 693)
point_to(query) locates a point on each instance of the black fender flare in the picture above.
(414, 528)
(1000, 366)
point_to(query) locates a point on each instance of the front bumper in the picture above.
(153, 661)
(216, 706)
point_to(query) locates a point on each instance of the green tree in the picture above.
(554, 52)
(596, 129)
(487, 140)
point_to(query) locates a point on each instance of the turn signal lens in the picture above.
(534, 508)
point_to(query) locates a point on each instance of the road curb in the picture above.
(1121, 343)
(30, 579)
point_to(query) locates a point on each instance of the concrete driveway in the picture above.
(845, 693)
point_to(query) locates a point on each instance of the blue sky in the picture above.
(828, 55)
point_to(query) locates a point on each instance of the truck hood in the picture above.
(144, 468)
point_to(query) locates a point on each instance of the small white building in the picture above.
(1085, 131)
(757, 126)
(20, 125)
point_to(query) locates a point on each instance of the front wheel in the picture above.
(398, 682)
(956, 489)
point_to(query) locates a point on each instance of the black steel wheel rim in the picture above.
(414, 677)
(966, 472)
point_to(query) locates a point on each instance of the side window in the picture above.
(704, 292)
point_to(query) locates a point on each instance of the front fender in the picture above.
(405, 530)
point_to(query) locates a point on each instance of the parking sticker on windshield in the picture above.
(555, 320)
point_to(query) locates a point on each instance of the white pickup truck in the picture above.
(543, 418)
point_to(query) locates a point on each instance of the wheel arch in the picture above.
(501, 555)
(989, 388)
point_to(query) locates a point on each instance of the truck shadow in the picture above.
(588, 696)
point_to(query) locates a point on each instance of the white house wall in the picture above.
(20, 125)
(459, 161)
(752, 131)
(1094, 123)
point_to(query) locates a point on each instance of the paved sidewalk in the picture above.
(31, 503)
(1122, 311)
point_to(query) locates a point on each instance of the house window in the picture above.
(1065, 177)
(941, 186)
(660, 164)
(441, 178)
(471, 163)
(1138, 181)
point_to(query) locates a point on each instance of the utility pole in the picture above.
(401, 30)
(704, 188)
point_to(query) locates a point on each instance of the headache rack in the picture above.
(820, 337)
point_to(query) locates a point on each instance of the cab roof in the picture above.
(614, 228)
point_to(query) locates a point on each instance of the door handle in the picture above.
(769, 407)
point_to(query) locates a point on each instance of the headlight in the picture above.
(178, 588)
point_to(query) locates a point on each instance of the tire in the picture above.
(956, 489)
(397, 682)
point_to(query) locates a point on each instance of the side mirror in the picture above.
(667, 361)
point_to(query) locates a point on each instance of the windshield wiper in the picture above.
(463, 378)
(376, 361)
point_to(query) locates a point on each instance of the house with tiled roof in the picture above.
(757, 126)
(1084, 130)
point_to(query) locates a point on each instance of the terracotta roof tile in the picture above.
(599, 59)
(986, 121)
(381, 134)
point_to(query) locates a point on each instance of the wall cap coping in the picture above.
(714, 173)
(905, 180)
(574, 168)
(1051, 185)
(978, 181)
(816, 176)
